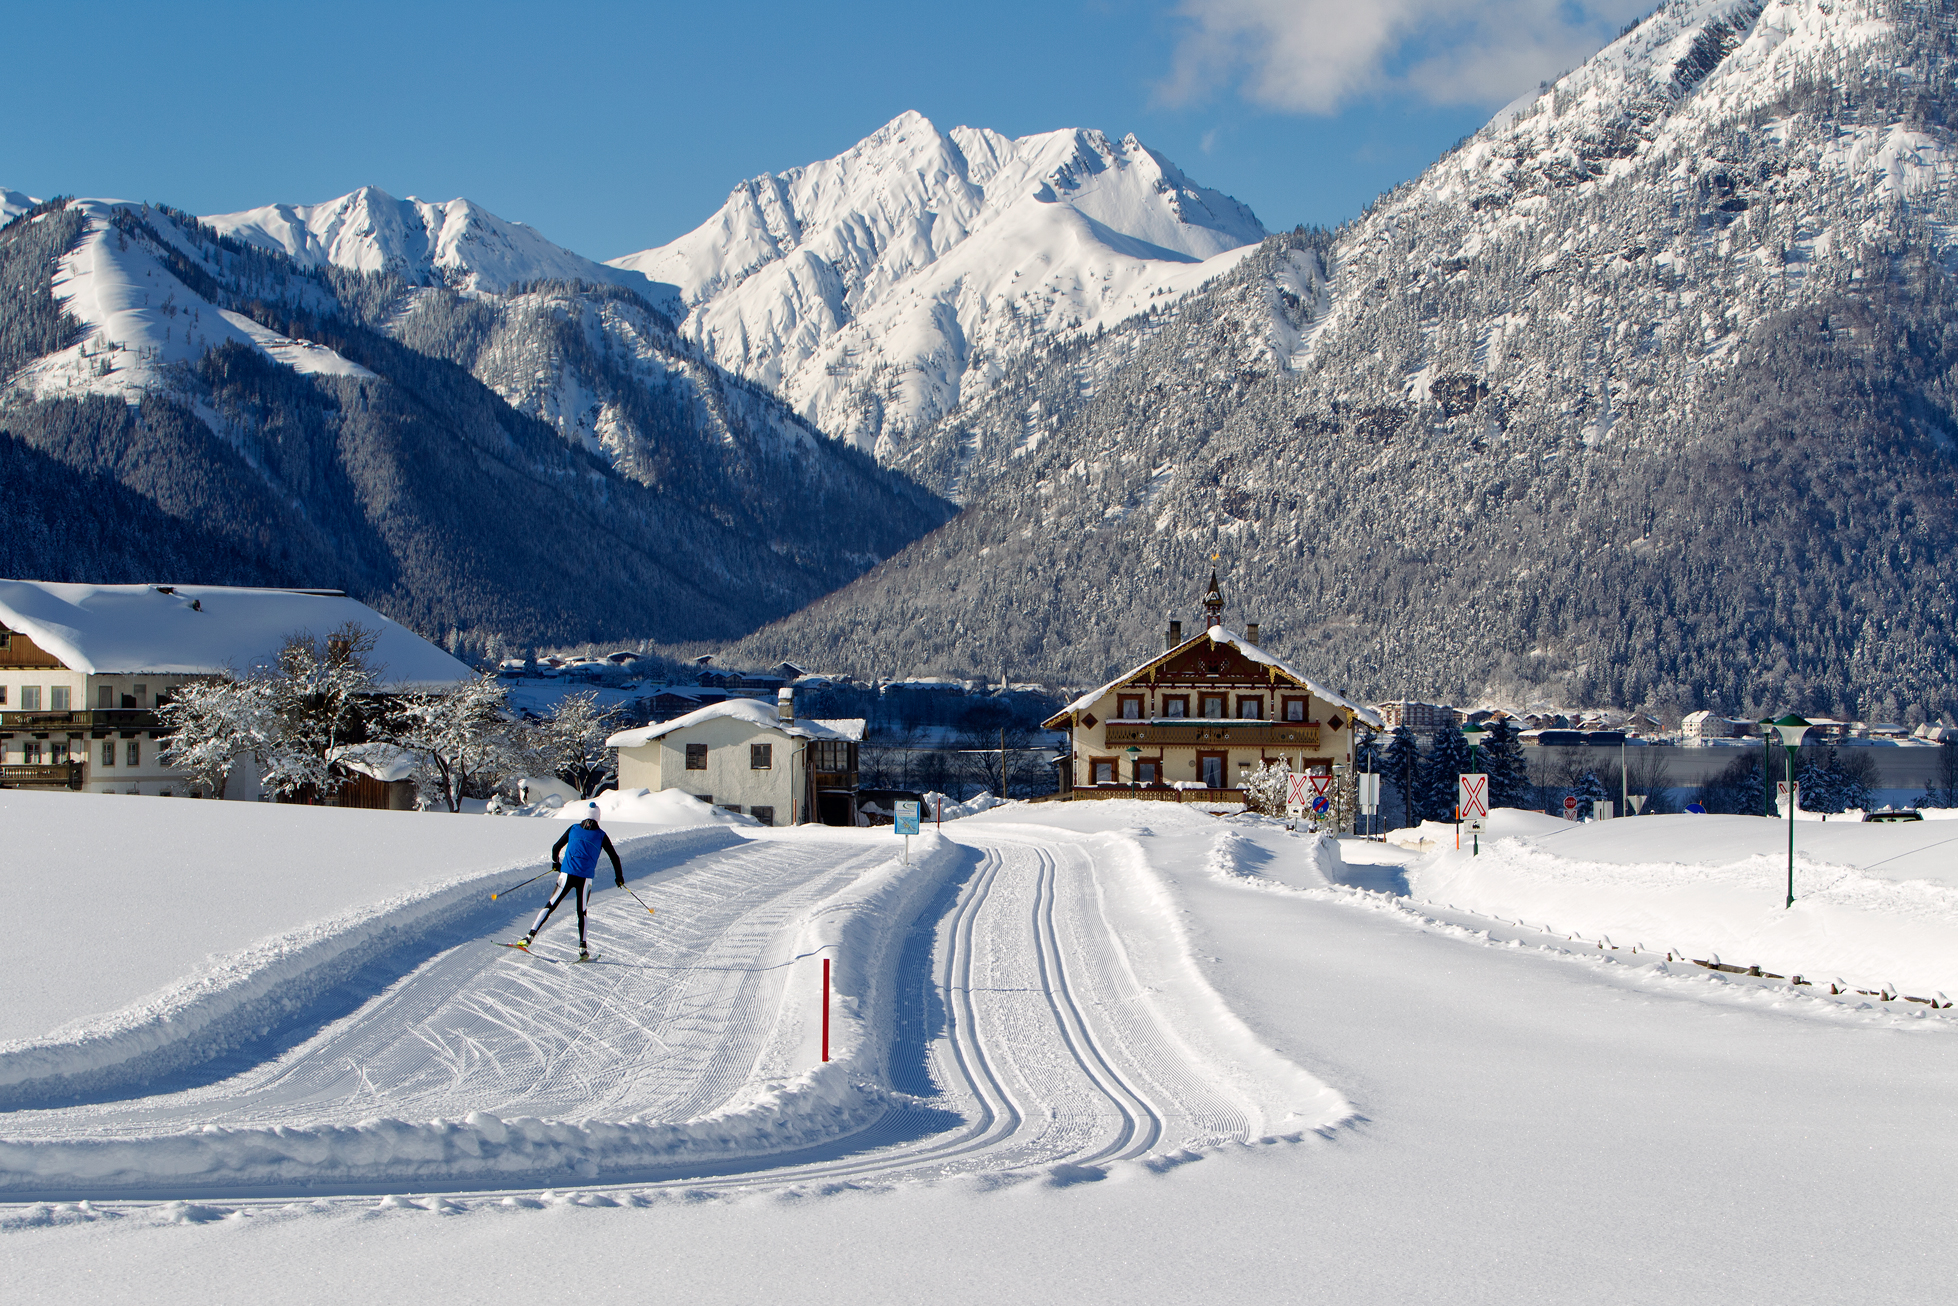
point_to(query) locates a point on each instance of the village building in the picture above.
(1421, 718)
(748, 757)
(1197, 719)
(84, 668)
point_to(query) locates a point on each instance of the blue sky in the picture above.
(613, 127)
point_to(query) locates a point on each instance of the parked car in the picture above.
(1894, 814)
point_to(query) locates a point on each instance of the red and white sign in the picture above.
(1570, 808)
(1472, 794)
(1322, 785)
(1297, 792)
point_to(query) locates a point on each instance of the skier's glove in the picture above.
(619, 880)
(554, 868)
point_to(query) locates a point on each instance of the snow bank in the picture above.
(645, 807)
(946, 808)
(862, 927)
(1874, 904)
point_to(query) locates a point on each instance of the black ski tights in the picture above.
(579, 884)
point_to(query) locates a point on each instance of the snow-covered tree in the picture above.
(1265, 788)
(1400, 766)
(322, 696)
(1436, 787)
(462, 737)
(1589, 791)
(1508, 770)
(213, 723)
(571, 742)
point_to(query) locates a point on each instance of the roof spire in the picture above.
(1213, 600)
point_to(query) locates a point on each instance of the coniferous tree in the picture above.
(1509, 772)
(1589, 791)
(1446, 760)
(1400, 766)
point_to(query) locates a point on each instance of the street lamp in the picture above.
(1134, 753)
(1791, 728)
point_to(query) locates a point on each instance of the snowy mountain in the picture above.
(305, 424)
(13, 204)
(455, 243)
(879, 290)
(1638, 396)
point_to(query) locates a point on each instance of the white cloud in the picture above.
(1317, 55)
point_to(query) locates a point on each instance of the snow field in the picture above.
(1875, 905)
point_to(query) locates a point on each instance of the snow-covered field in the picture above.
(1098, 1051)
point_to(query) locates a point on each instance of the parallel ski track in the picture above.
(1084, 1085)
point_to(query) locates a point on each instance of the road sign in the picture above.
(1472, 795)
(1781, 788)
(1570, 807)
(1369, 793)
(1297, 791)
(1475, 825)
(1322, 805)
(1602, 810)
(907, 818)
(1322, 785)
(1638, 803)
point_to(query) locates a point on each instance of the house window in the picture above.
(1295, 709)
(1177, 705)
(761, 757)
(58, 753)
(3, 696)
(135, 752)
(58, 698)
(766, 815)
(1130, 707)
(1213, 706)
(1148, 772)
(1210, 770)
(1250, 709)
(105, 697)
(696, 757)
(1104, 773)
(30, 754)
(141, 689)
(108, 752)
(30, 698)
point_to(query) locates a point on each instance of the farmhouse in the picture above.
(747, 757)
(83, 669)
(1197, 719)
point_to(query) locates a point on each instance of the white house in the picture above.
(84, 667)
(748, 757)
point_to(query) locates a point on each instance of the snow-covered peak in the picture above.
(865, 287)
(455, 241)
(13, 203)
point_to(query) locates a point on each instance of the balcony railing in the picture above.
(68, 774)
(1211, 731)
(1154, 795)
(121, 718)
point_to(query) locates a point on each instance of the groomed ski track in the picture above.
(1019, 1036)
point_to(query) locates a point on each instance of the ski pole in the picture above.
(513, 888)
(641, 901)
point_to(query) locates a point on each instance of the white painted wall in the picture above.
(729, 780)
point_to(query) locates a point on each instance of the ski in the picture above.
(580, 961)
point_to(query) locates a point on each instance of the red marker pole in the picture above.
(826, 1008)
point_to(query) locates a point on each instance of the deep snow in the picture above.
(1531, 1119)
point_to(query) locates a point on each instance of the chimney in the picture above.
(1175, 636)
(785, 704)
(1251, 633)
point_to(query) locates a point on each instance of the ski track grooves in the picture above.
(1050, 1048)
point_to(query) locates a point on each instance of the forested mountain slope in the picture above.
(326, 426)
(1643, 394)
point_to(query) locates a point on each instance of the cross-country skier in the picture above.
(574, 857)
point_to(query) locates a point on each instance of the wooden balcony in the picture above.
(62, 775)
(121, 718)
(1211, 733)
(1152, 795)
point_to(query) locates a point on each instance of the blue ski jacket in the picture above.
(585, 842)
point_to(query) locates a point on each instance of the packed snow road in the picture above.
(1008, 1027)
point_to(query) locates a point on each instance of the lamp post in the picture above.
(1791, 728)
(1135, 781)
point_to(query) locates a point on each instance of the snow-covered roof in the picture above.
(745, 709)
(850, 727)
(204, 629)
(381, 761)
(1221, 635)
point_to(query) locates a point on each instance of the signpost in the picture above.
(1471, 806)
(1602, 810)
(1637, 802)
(1321, 801)
(1297, 794)
(1781, 794)
(1370, 797)
(906, 825)
(1570, 807)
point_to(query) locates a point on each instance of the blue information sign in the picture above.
(907, 818)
